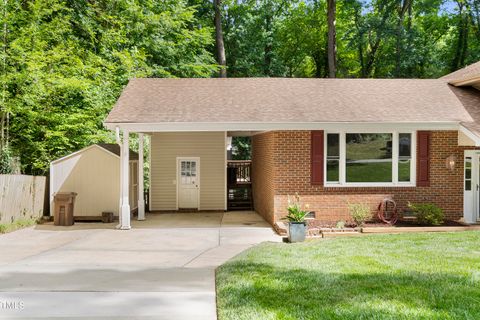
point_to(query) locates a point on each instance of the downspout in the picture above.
(119, 142)
(117, 136)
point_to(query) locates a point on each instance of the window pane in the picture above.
(333, 144)
(468, 168)
(404, 144)
(404, 156)
(404, 170)
(468, 173)
(468, 185)
(333, 157)
(332, 170)
(369, 157)
(194, 169)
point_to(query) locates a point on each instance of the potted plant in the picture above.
(297, 228)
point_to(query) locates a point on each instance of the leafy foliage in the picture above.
(360, 213)
(242, 148)
(67, 61)
(427, 213)
(296, 210)
(6, 161)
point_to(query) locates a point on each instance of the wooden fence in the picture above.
(21, 196)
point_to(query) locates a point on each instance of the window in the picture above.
(369, 158)
(468, 173)
(333, 157)
(404, 156)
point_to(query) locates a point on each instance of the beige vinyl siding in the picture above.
(94, 174)
(209, 147)
(464, 140)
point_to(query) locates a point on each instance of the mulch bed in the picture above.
(447, 223)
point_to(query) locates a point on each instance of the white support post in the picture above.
(141, 200)
(124, 185)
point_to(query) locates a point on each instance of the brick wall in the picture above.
(291, 160)
(263, 175)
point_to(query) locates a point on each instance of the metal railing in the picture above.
(239, 171)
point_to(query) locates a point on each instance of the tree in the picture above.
(332, 42)
(403, 7)
(4, 113)
(72, 59)
(462, 37)
(219, 39)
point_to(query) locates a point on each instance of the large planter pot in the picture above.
(297, 231)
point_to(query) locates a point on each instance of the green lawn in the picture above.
(409, 276)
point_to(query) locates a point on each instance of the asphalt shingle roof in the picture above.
(278, 100)
(469, 72)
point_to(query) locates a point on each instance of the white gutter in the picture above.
(117, 136)
(268, 126)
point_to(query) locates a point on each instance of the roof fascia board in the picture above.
(78, 152)
(83, 150)
(262, 126)
(466, 82)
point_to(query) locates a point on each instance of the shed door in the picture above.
(188, 183)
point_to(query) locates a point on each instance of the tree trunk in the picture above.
(360, 35)
(267, 59)
(332, 42)
(402, 9)
(222, 61)
(4, 119)
(462, 41)
(476, 16)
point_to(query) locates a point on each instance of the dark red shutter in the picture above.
(423, 158)
(317, 157)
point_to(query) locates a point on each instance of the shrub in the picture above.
(427, 213)
(6, 160)
(340, 224)
(360, 212)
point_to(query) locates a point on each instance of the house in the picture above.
(94, 174)
(334, 141)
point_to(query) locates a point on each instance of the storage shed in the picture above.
(94, 174)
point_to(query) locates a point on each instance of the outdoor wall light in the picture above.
(450, 162)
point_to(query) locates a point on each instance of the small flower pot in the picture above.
(297, 231)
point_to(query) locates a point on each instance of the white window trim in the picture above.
(395, 147)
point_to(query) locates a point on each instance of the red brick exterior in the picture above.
(263, 175)
(290, 152)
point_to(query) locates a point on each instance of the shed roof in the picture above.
(292, 100)
(111, 148)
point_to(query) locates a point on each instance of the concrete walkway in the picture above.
(164, 268)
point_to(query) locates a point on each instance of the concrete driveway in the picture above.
(164, 268)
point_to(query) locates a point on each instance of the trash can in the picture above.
(64, 205)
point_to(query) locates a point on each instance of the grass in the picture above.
(407, 276)
(18, 224)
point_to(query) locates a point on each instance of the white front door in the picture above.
(188, 182)
(471, 187)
